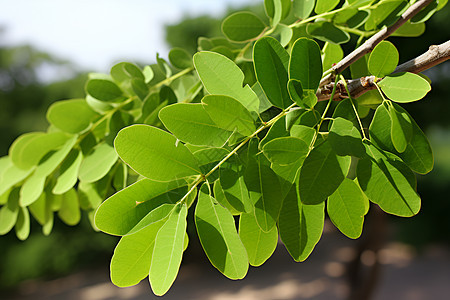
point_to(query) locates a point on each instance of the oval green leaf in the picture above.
(154, 153)
(306, 63)
(404, 87)
(285, 150)
(242, 26)
(383, 60)
(72, 116)
(97, 163)
(327, 32)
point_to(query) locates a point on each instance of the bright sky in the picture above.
(96, 33)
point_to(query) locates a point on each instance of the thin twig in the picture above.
(374, 40)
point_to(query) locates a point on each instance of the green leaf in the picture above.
(300, 225)
(22, 226)
(386, 182)
(383, 60)
(221, 76)
(104, 90)
(283, 33)
(168, 251)
(426, 12)
(271, 62)
(322, 173)
(332, 54)
(278, 129)
(323, 6)
(327, 32)
(11, 176)
(229, 114)
(305, 64)
(242, 26)
(285, 150)
(69, 212)
(303, 132)
(132, 256)
(346, 208)
(265, 190)
(68, 172)
(180, 58)
(304, 98)
(97, 163)
(418, 155)
(218, 236)
(72, 116)
(154, 153)
(404, 87)
(385, 13)
(410, 30)
(30, 148)
(277, 10)
(131, 204)
(234, 190)
(123, 72)
(260, 245)
(161, 212)
(345, 139)
(39, 209)
(9, 212)
(190, 123)
(401, 129)
(351, 17)
(303, 8)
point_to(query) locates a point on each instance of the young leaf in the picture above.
(30, 148)
(322, 173)
(229, 114)
(404, 87)
(168, 251)
(190, 123)
(9, 212)
(306, 64)
(218, 236)
(346, 208)
(221, 76)
(401, 129)
(71, 116)
(131, 204)
(69, 212)
(383, 60)
(68, 172)
(242, 26)
(259, 244)
(271, 67)
(97, 163)
(22, 226)
(265, 192)
(285, 150)
(154, 153)
(300, 225)
(303, 8)
(387, 183)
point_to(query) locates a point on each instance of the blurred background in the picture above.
(47, 47)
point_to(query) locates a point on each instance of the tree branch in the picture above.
(374, 40)
(435, 55)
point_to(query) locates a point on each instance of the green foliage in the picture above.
(239, 133)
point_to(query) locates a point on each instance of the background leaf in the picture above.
(303, 8)
(242, 26)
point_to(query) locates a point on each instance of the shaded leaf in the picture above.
(306, 64)
(327, 32)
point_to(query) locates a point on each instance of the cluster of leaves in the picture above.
(238, 133)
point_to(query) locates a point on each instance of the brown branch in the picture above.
(435, 55)
(374, 40)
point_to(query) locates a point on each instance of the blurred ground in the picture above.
(406, 275)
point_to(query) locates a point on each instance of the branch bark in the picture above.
(374, 40)
(435, 55)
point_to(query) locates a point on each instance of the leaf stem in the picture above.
(307, 20)
(354, 109)
(173, 77)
